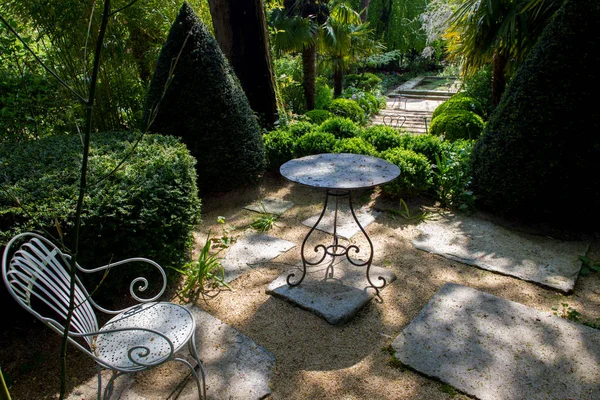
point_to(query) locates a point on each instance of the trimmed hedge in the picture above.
(348, 109)
(148, 208)
(428, 145)
(205, 105)
(340, 127)
(459, 124)
(382, 137)
(299, 128)
(459, 102)
(415, 172)
(318, 116)
(315, 143)
(280, 146)
(354, 145)
(538, 156)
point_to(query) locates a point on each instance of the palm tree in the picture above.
(500, 32)
(296, 28)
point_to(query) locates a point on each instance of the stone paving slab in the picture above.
(249, 250)
(270, 205)
(495, 349)
(236, 368)
(335, 292)
(346, 226)
(549, 262)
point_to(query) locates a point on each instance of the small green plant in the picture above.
(206, 272)
(226, 239)
(452, 176)
(588, 266)
(405, 213)
(569, 313)
(265, 221)
(392, 361)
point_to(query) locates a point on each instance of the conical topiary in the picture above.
(538, 156)
(205, 105)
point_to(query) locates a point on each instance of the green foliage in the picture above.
(264, 222)
(355, 145)
(206, 271)
(397, 23)
(382, 137)
(315, 143)
(459, 102)
(288, 77)
(318, 116)
(340, 127)
(415, 172)
(299, 128)
(569, 313)
(404, 212)
(479, 87)
(588, 266)
(454, 125)
(452, 175)
(149, 207)
(348, 109)
(279, 148)
(205, 105)
(365, 82)
(428, 145)
(384, 61)
(369, 102)
(538, 150)
(323, 94)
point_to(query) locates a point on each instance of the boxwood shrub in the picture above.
(316, 142)
(415, 172)
(428, 145)
(348, 109)
(148, 208)
(366, 81)
(354, 145)
(340, 127)
(382, 137)
(205, 105)
(318, 116)
(459, 102)
(459, 124)
(280, 147)
(299, 128)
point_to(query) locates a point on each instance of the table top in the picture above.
(340, 171)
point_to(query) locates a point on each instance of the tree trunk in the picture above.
(309, 68)
(364, 10)
(338, 80)
(241, 30)
(498, 78)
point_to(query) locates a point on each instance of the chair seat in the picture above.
(116, 348)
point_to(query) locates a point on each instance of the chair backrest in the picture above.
(36, 274)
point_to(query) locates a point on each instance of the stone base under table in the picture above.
(335, 292)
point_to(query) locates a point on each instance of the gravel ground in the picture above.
(314, 359)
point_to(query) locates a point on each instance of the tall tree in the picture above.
(500, 32)
(241, 30)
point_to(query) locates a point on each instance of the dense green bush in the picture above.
(288, 74)
(299, 128)
(279, 146)
(369, 103)
(340, 127)
(366, 81)
(149, 207)
(205, 105)
(315, 143)
(452, 175)
(538, 157)
(479, 87)
(415, 172)
(454, 125)
(428, 145)
(323, 94)
(348, 109)
(382, 137)
(355, 145)
(318, 116)
(459, 102)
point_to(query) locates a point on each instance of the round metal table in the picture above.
(338, 174)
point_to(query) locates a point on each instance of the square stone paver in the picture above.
(270, 205)
(333, 291)
(250, 250)
(495, 349)
(549, 262)
(346, 226)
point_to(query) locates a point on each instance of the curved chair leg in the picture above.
(194, 353)
(108, 390)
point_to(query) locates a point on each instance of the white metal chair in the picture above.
(138, 338)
